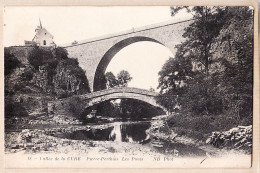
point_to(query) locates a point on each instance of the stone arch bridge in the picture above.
(91, 99)
(95, 54)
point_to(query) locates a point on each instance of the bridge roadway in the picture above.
(97, 97)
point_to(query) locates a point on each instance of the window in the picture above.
(44, 42)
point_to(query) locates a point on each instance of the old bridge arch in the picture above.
(99, 80)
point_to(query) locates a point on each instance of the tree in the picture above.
(111, 80)
(234, 51)
(10, 62)
(123, 78)
(61, 53)
(40, 56)
(212, 64)
(108, 108)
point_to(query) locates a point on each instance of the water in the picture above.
(118, 131)
(133, 132)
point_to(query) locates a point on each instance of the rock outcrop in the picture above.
(54, 77)
(238, 138)
(69, 79)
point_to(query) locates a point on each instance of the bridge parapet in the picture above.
(119, 90)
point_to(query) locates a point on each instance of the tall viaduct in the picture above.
(95, 54)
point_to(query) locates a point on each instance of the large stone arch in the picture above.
(91, 52)
(104, 62)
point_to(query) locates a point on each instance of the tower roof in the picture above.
(40, 23)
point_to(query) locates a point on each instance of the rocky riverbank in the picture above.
(46, 141)
(236, 141)
(238, 138)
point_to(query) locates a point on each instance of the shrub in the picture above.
(15, 109)
(197, 127)
(76, 107)
(19, 87)
(10, 62)
(61, 53)
(27, 75)
(39, 56)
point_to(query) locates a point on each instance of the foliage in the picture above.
(39, 57)
(51, 59)
(136, 109)
(207, 76)
(14, 109)
(111, 80)
(200, 127)
(123, 78)
(108, 109)
(211, 75)
(61, 53)
(76, 107)
(79, 73)
(27, 75)
(10, 62)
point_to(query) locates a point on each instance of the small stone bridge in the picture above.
(97, 97)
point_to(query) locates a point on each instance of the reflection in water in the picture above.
(134, 132)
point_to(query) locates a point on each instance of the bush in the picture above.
(19, 87)
(197, 127)
(10, 62)
(14, 109)
(76, 107)
(27, 75)
(39, 56)
(61, 53)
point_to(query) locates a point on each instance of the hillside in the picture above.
(35, 75)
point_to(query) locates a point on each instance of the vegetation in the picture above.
(76, 107)
(44, 57)
(10, 62)
(14, 110)
(211, 76)
(49, 60)
(122, 79)
(79, 73)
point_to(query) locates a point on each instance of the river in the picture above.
(132, 132)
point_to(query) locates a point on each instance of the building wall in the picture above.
(41, 35)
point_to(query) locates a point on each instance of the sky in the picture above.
(68, 24)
